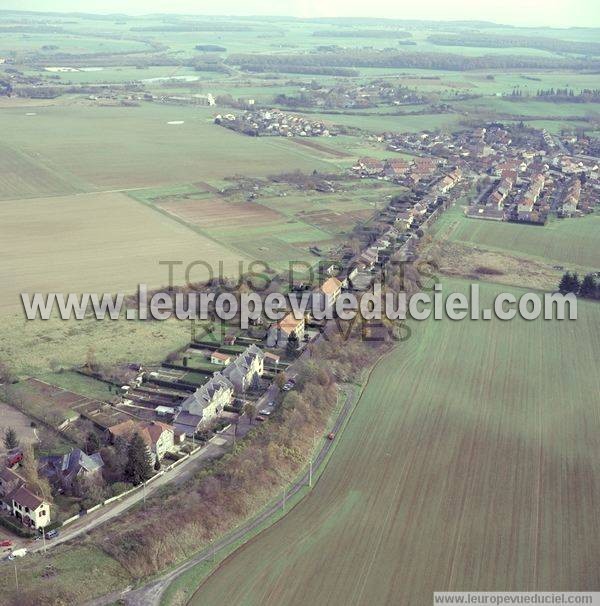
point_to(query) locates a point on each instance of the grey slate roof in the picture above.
(238, 369)
(68, 466)
(203, 396)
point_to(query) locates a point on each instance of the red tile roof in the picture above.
(331, 286)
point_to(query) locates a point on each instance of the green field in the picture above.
(104, 148)
(562, 241)
(458, 471)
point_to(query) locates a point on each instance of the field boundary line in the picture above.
(194, 228)
(343, 420)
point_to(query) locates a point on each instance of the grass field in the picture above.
(99, 148)
(50, 578)
(414, 499)
(41, 348)
(565, 241)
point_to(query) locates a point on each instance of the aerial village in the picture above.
(273, 122)
(521, 174)
(209, 394)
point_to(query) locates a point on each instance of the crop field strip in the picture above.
(415, 484)
(22, 177)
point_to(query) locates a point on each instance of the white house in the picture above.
(159, 437)
(331, 290)
(32, 510)
(19, 501)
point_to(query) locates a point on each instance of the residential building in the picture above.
(368, 258)
(570, 199)
(280, 333)
(246, 369)
(370, 166)
(204, 404)
(19, 501)
(330, 290)
(33, 511)
(9, 481)
(159, 437)
(66, 470)
(396, 169)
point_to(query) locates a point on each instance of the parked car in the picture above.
(14, 458)
(265, 412)
(6, 543)
(52, 534)
(331, 435)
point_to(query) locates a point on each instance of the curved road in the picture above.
(151, 593)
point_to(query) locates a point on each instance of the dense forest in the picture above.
(497, 41)
(397, 59)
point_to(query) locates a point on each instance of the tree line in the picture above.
(399, 59)
(306, 69)
(497, 41)
(586, 95)
(362, 33)
(587, 288)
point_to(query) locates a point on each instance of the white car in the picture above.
(265, 412)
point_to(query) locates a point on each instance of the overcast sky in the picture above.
(559, 13)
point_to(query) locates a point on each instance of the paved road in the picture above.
(151, 593)
(178, 474)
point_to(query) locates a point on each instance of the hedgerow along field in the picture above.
(465, 466)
